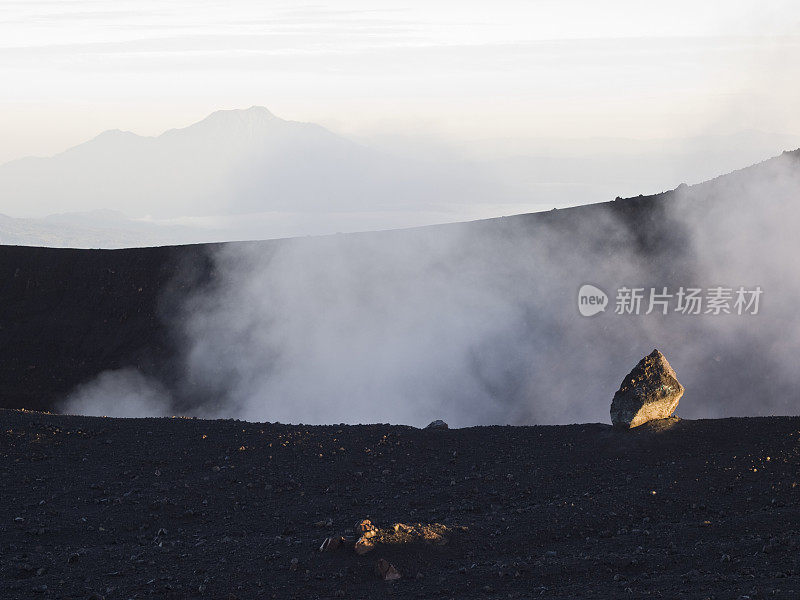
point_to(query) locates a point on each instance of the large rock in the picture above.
(651, 391)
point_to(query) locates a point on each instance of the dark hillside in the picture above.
(67, 315)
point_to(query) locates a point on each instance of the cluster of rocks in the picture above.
(370, 537)
(364, 544)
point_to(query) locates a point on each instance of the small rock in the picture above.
(364, 525)
(332, 543)
(326, 523)
(364, 545)
(387, 571)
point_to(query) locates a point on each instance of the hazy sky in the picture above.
(564, 68)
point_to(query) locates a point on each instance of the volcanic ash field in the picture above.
(187, 508)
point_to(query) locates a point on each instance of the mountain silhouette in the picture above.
(231, 162)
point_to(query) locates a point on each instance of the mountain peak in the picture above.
(242, 121)
(246, 116)
(115, 134)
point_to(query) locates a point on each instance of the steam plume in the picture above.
(478, 323)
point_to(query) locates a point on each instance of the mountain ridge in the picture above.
(223, 116)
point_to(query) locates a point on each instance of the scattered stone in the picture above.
(326, 523)
(650, 391)
(364, 526)
(437, 424)
(387, 571)
(434, 534)
(364, 545)
(332, 543)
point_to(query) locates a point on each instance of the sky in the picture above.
(457, 70)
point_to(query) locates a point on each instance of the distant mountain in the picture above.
(248, 174)
(232, 162)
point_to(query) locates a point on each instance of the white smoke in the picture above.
(478, 323)
(119, 393)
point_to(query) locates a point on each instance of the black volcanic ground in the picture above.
(182, 508)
